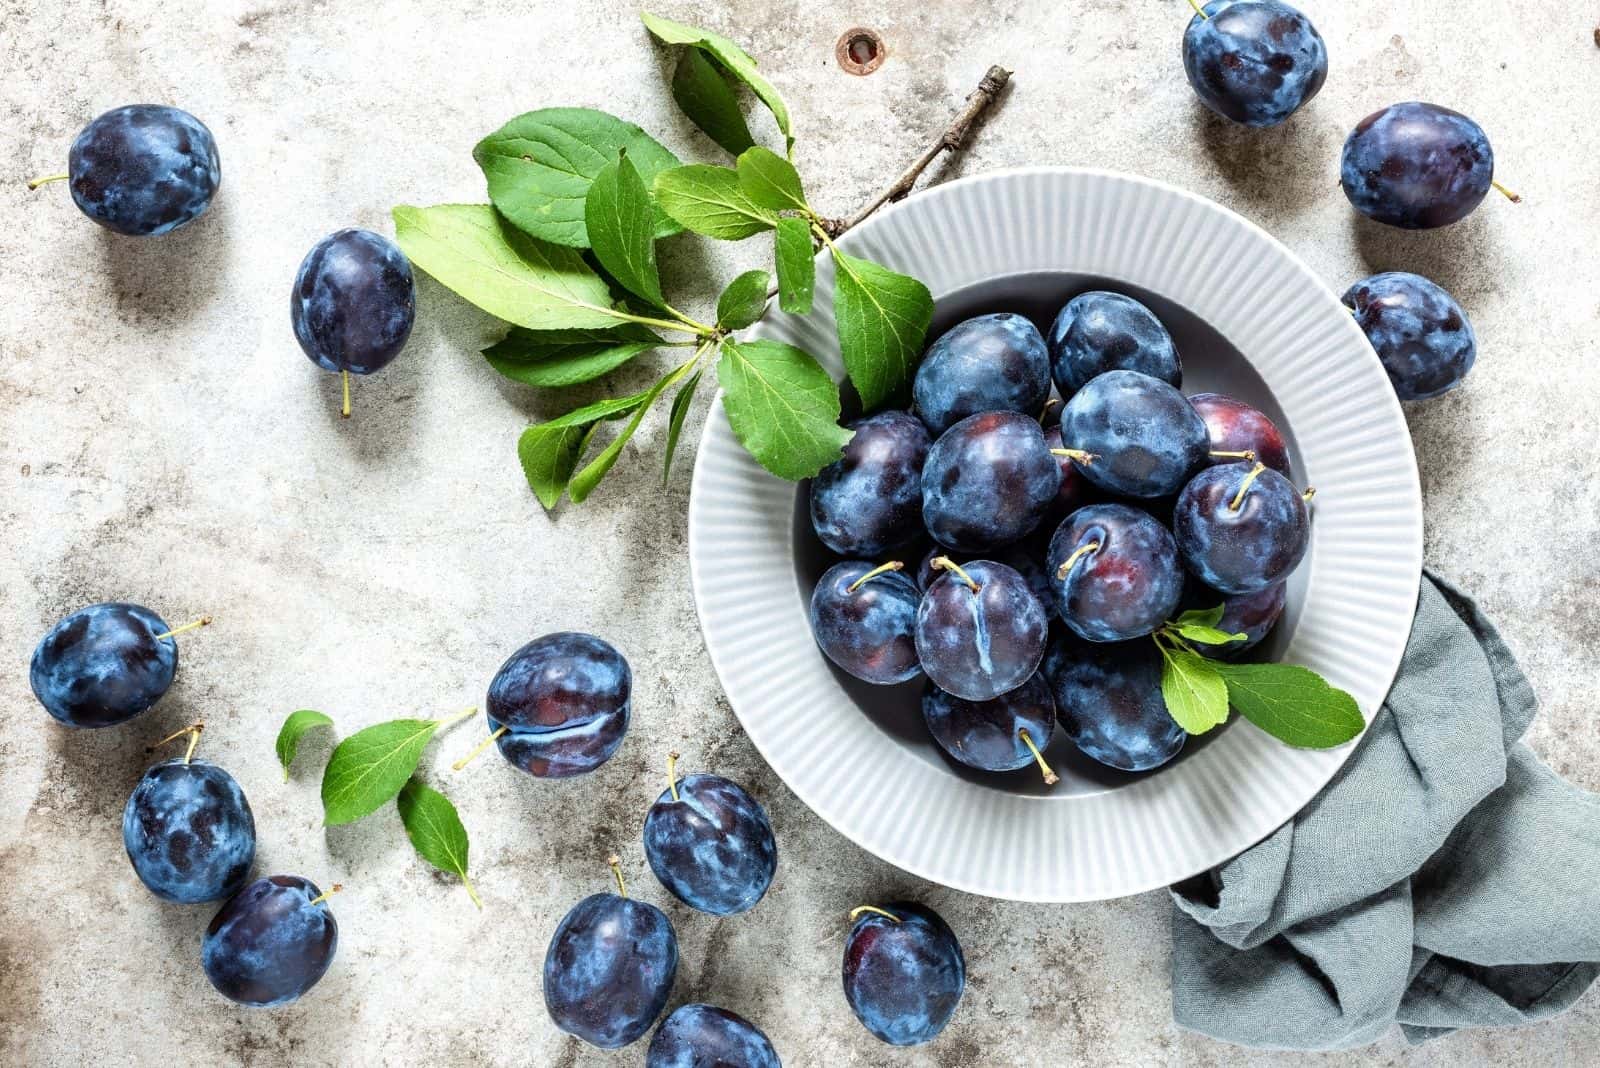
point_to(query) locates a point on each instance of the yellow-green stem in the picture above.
(326, 894)
(861, 910)
(944, 563)
(1238, 499)
(1508, 194)
(892, 565)
(1076, 454)
(616, 869)
(479, 748)
(193, 730)
(1247, 454)
(47, 179)
(1077, 554)
(1050, 777)
(203, 621)
(1199, 9)
(672, 774)
(344, 384)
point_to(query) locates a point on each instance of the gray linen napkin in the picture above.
(1444, 879)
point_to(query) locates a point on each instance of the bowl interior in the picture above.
(1210, 364)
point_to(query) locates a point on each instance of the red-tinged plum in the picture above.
(1108, 700)
(1241, 528)
(560, 705)
(903, 972)
(988, 482)
(864, 619)
(1417, 166)
(271, 941)
(1006, 733)
(980, 630)
(1134, 435)
(993, 363)
(870, 499)
(1236, 431)
(1115, 571)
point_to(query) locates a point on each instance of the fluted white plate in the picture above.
(1250, 319)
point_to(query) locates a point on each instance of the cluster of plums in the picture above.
(1138, 502)
(145, 170)
(187, 826)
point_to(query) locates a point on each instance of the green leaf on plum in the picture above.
(883, 319)
(680, 411)
(368, 768)
(782, 406)
(743, 301)
(735, 60)
(620, 219)
(1195, 694)
(770, 180)
(709, 201)
(703, 92)
(556, 358)
(289, 734)
(796, 257)
(540, 166)
(1293, 704)
(436, 831)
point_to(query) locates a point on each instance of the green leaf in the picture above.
(368, 768)
(770, 180)
(883, 319)
(555, 358)
(507, 274)
(436, 831)
(733, 58)
(680, 411)
(1195, 694)
(540, 166)
(743, 301)
(1293, 704)
(703, 92)
(289, 734)
(1201, 617)
(782, 405)
(549, 451)
(1207, 635)
(709, 201)
(584, 482)
(797, 265)
(618, 214)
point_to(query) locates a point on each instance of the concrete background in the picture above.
(162, 440)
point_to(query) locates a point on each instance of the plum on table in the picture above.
(988, 482)
(1004, 733)
(869, 501)
(1424, 339)
(1115, 572)
(1241, 528)
(353, 304)
(560, 705)
(1100, 331)
(903, 972)
(704, 1036)
(1109, 702)
(710, 843)
(1417, 166)
(1133, 435)
(991, 363)
(105, 664)
(864, 618)
(1255, 62)
(980, 631)
(271, 941)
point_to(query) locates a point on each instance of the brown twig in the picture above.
(994, 80)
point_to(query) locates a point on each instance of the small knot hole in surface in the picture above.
(860, 51)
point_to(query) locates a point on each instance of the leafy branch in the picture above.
(565, 253)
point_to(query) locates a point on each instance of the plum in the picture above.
(1241, 528)
(988, 482)
(980, 631)
(870, 499)
(992, 363)
(1116, 573)
(903, 972)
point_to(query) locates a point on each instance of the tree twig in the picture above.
(954, 136)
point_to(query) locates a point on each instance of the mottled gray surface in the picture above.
(163, 440)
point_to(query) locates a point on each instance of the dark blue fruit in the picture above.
(1116, 573)
(1234, 427)
(1108, 700)
(703, 1036)
(1424, 339)
(1003, 734)
(865, 619)
(1251, 614)
(1254, 61)
(870, 499)
(103, 665)
(1417, 166)
(709, 842)
(1098, 332)
(980, 631)
(144, 169)
(560, 704)
(994, 363)
(353, 303)
(609, 969)
(271, 942)
(1143, 438)
(189, 832)
(1241, 528)
(988, 482)
(903, 972)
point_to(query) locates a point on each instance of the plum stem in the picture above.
(616, 869)
(479, 748)
(1079, 455)
(1077, 554)
(672, 773)
(944, 563)
(1198, 9)
(1050, 777)
(1044, 412)
(326, 894)
(857, 912)
(1238, 498)
(1508, 194)
(1246, 454)
(46, 180)
(193, 730)
(1311, 491)
(344, 383)
(892, 565)
(203, 621)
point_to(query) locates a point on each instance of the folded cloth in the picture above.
(1444, 879)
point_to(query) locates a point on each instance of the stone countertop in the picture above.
(162, 440)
